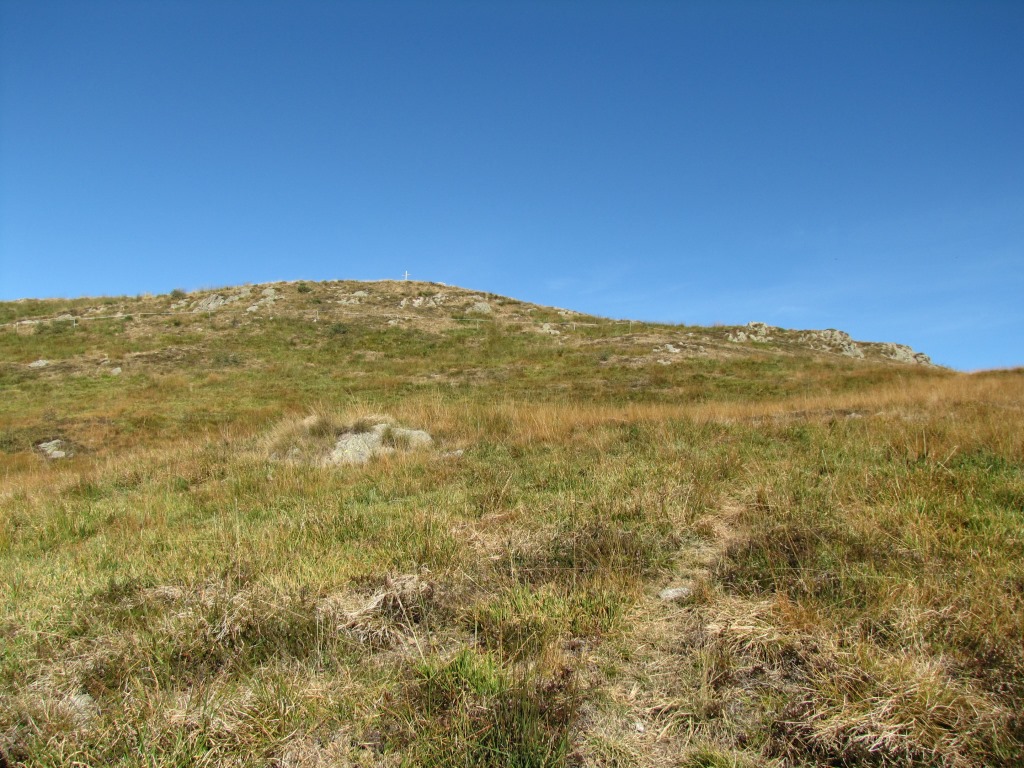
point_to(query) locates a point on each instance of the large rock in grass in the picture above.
(55, 449)
(378, 440)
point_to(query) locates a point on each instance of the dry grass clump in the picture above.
(843, 703)
(862, 706)
(392, 616)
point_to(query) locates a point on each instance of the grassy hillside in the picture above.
(193, 585)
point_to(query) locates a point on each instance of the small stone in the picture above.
(115, 371)
(83, 708)
(39, 364)
(675, 593)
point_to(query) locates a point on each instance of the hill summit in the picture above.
(437, 309)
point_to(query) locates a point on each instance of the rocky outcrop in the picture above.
(215, 301)
(831, 340)
(901, 353)
(425, 302)
(755, 332)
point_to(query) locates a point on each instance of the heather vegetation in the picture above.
(729, 555)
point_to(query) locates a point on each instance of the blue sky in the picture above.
(856, 165)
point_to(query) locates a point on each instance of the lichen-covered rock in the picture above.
(904, 354)
(359, 447)
(210, 303)
(55, 449)
(379, 440)
(755, 332)
(842, 341)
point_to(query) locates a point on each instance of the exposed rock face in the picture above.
(379, 440)
(481, 308)
(904, 354)
(216, 300)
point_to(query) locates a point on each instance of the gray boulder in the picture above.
(55, 449)
(380, 440)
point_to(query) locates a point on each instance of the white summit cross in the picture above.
(407, 275)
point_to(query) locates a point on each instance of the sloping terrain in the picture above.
(399, 523)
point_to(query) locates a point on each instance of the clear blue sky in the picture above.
(856, 165)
